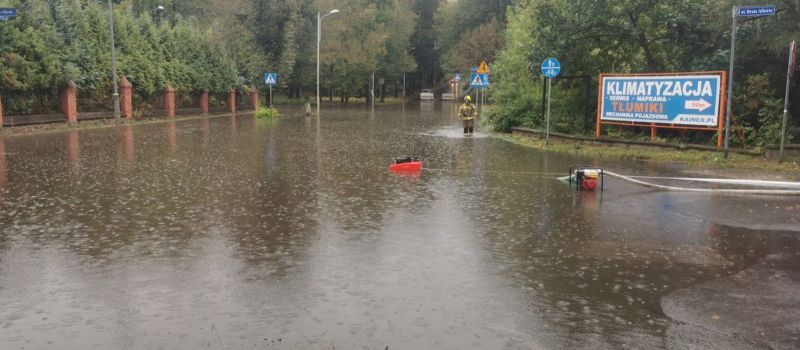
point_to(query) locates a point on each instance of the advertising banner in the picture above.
(691, 99)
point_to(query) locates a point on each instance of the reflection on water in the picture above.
(291, 233)
(2, 164)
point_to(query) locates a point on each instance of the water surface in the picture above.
(236, 233)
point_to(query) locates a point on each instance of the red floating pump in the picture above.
(586, 177)
(589, 184)
(406, 164)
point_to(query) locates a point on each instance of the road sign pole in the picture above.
(551, 68)
(792, 53)
(477, 102)
(730, 83)
(270, 96)
(547, 128)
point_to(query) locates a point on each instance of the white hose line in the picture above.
(762, 183)
(704, 190)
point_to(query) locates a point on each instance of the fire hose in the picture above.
(782, 192)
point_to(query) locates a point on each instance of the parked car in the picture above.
(426, 95)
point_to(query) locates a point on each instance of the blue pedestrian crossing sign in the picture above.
(479, 80)
(457, 77)
(551, 68)
(271, 79)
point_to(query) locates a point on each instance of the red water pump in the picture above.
(586, 178)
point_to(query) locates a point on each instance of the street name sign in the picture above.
(271, 79)
(7, 13)
(756, 11)
(692, 99)
(551, 68)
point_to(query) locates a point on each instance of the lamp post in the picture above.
(404, 74)
(114, 61)
(319, 40)
(157, 14)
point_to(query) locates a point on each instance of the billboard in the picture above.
(687, 99)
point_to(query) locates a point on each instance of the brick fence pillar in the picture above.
(232, 101)
(204, 101)
(1, 112)
(254, 99)
(169, 101)
(69, 102)
(126, 97)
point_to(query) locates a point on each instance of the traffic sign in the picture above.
(457, 77)
(479, 80)
(8, 12)
(551, 68)
(756, 11)
(483, 68)
(271, 79)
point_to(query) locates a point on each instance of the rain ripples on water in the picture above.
(236, 233)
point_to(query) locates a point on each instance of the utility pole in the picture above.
(319, 40)
(114, 61)
(730, 82)
(319, 34)
(789, 74)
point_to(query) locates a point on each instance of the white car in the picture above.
(426, 95)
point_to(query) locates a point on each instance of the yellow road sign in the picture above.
(483, 69)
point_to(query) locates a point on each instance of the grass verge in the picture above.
(690, 158)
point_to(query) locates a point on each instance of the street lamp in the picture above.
(157, 14)
(114, 60)
(319, 40)
(404, 73)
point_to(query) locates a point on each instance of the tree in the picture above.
(465, 23)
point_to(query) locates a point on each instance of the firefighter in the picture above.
(468, 112)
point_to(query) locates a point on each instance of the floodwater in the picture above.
(235, 233)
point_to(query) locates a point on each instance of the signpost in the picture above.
(551, 68)
(478, 81)
(673, 100)
(483, 70)
(744, 11)
(789, 74)
(455, 85)
(756, 11)
(270, 79)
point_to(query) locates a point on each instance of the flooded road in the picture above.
(236, 233)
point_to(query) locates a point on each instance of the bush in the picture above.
(267, 113)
